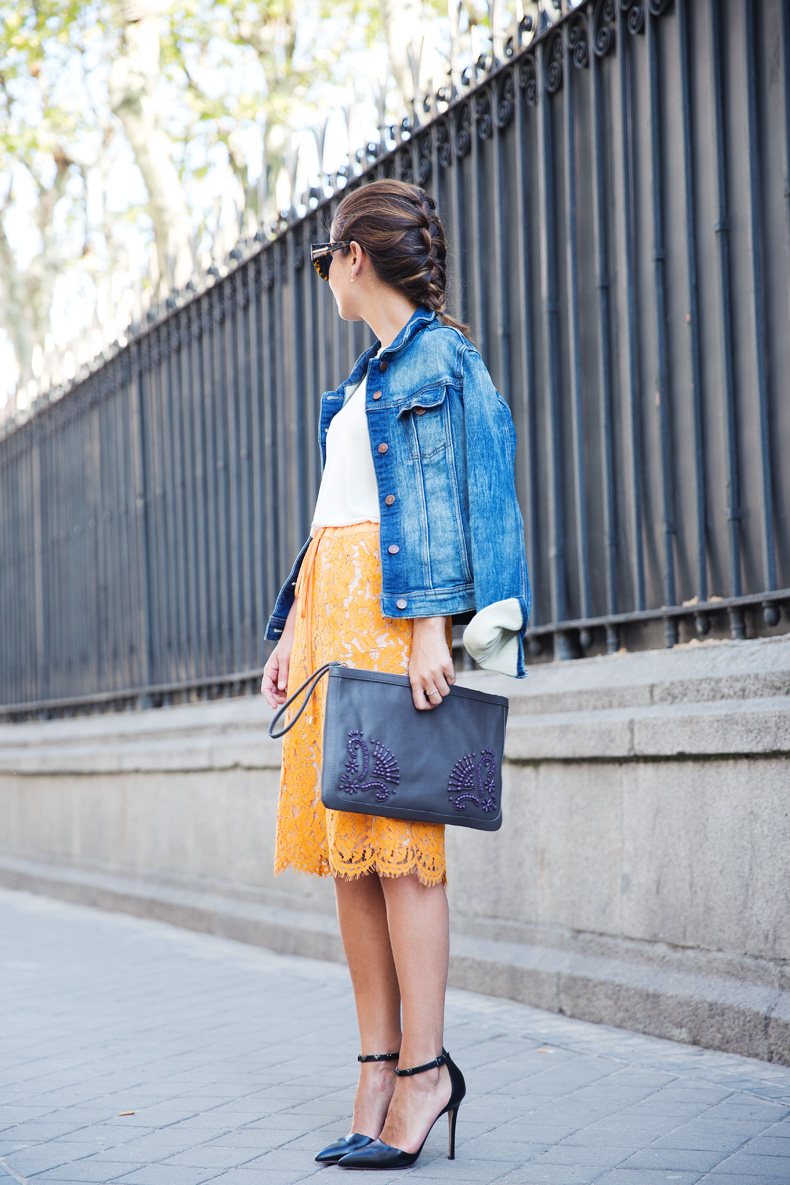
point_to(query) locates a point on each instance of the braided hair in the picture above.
(400, 230)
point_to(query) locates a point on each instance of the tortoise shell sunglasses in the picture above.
(321, 256)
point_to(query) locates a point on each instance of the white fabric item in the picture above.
(348, 493)
(491, 637)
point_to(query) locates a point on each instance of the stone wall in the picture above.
(641, 878)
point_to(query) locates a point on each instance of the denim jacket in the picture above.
(451, 532)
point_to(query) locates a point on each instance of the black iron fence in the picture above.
(618, 202)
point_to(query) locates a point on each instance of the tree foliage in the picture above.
(134, 124)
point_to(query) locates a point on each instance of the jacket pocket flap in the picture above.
(428, 397)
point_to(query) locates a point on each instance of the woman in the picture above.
(416, 523)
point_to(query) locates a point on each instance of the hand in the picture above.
(431, 672)
(275, 673)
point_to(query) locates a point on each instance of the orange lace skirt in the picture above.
(339, 617)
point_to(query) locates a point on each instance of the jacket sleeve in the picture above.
(495, 635)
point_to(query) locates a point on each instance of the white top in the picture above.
(348, 492)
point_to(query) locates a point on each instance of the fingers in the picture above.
(430, 688)
(282, 676)
(274, 683)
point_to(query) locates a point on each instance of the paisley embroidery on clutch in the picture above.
(384, 775)
(474, 781)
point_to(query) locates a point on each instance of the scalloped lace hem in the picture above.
(351, 872)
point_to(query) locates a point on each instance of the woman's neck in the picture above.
(388, 314)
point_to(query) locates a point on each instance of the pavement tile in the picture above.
(160, 1174)
(493, 1148)
(552, 1174)
(605, 1157)
(675, 1159)
(648, 1177)
(85, 1172)
(258, 1177)
(745, 1179)
(751, 1164)
(213, 1155)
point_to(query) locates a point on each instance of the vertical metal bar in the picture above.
(231, 393)
(200, 320)
(273, 448)
(528, 438)
(177, 482)
(54, 452)
(8, 694)
(165, 588)
(310, 394)
(700, 477)
(187, 398)
(169, 477)
(501, 234)
(212, 624)
(126, 559)
(259, 557)
(225, 637)
(638, 560)
(478, 189)
(603, 310)
(786, 80)
(722, 229)
(572, 265)
(758, 288)
(551, 334)
(84, 569)
(143, 516)
(104, 637)
(659, 286)
(39, 566)
(461, 284)
(247, 524)
(294, 270)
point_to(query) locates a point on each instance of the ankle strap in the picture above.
(441, 1060)
(378, 1057)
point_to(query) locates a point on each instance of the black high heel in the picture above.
(378, 1155)
(354, 1140)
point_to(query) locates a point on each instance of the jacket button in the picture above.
(383, 448)
(419, 411)
(390, 498)
(393, 549)
(383, 365)
(376, 395)
(401, 603)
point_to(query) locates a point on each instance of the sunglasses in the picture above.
(321, 256)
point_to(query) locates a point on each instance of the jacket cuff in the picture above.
(494, 637)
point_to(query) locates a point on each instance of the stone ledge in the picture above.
(709, 699)
(716, 1011)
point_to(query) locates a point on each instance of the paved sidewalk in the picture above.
(239, 1064)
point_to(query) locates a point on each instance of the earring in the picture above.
(353, 277)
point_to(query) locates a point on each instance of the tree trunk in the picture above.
(133, 84)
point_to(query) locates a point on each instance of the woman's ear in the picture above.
(357, 258)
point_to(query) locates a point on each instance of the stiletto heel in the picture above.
(378, 1155)
(354, 1140)
(451, 1118)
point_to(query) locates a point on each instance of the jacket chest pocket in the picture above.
(424, 418)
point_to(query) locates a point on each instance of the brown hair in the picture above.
(397, 225)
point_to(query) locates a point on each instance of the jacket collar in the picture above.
(421, 316)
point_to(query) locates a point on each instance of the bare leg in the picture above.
(362, 914)
(419, 931)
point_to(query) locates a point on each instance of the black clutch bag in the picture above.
(381, 756)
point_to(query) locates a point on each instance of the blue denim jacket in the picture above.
(451, 531)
